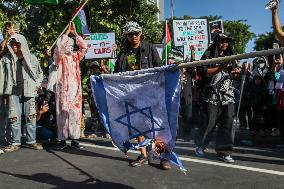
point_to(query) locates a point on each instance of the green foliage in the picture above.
(265, 41)
(42, 24)
(240, 33)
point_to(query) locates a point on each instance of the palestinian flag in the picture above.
(80, 18)
(167, 41)
(111, 65)
(54, 2)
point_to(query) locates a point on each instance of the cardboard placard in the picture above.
(214, 28)
(193, 31)
(101, 45)
(199, 51)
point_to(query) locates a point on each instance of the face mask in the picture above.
(261, 65)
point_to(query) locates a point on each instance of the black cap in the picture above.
(222, 36)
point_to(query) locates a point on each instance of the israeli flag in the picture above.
(139, 103)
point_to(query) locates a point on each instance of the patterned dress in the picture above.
(68, 87)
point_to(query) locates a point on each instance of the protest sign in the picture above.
(199, 51)
(214, 28)
(194, 31)
(101, 45)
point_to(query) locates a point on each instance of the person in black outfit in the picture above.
(217, 101)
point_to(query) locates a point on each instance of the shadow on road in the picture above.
(60, 183)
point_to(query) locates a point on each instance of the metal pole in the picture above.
(241, 93)
(231, 58)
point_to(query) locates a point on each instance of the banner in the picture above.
(214, 28)
(190, 32)
(101, 45)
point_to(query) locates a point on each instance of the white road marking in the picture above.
(267, 171)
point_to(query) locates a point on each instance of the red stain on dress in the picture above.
(68, 88)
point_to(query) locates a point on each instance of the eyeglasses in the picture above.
(133, 33)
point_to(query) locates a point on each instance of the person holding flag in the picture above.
(138, 54)
(68, 87)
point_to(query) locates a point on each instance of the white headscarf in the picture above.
(67, 47)
(26, 54)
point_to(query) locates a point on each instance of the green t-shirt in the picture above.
(133, 60)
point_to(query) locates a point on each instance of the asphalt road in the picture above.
(100, 165)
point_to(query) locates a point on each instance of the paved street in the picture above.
(100, 165)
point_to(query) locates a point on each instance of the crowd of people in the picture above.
(53, 108)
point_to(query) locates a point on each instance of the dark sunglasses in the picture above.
(133, 33)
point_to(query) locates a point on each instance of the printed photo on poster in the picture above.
(214, 28)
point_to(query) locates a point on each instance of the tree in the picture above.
(240, 33)
(265, 41)
(41, 24)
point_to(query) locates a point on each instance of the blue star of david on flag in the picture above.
(147, 112)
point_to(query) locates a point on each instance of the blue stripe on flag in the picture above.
(100, 99)
(172, 97)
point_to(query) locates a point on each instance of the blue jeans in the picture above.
(44, 133)
(19, 106)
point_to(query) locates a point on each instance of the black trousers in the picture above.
(222, 116)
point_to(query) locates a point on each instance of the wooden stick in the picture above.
(68, 25)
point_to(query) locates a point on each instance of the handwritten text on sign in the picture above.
(100, 45)
(194, 31)
(199, 51)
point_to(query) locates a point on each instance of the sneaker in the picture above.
(36, 146)
(62, 145)
(275, 133)
(11, 148)
(226, 158)
(165, 164)
(199, 152)
(75, 144)
(1, 152)
(141, 160)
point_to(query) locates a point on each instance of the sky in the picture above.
(251, 10)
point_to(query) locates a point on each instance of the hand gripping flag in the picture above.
(140, 103)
